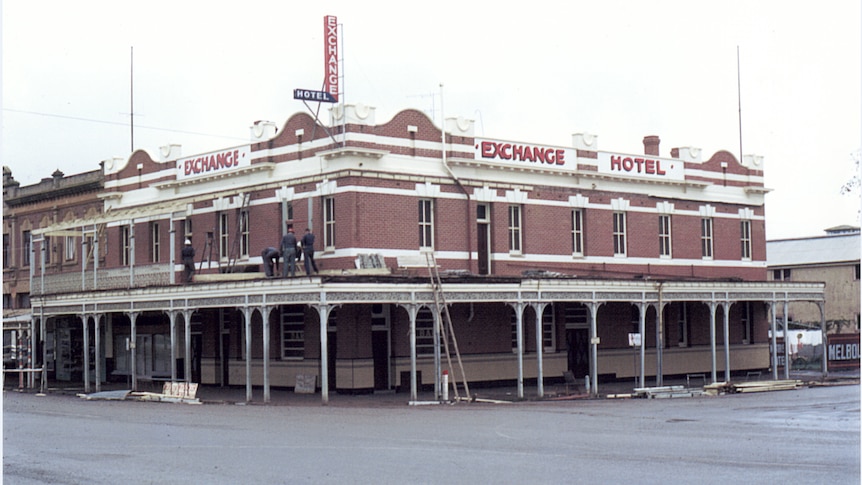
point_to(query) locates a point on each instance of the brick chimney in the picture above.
(651, 145)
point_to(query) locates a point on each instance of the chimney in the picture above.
(651, 145)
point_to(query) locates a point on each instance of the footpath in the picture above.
(236, 395)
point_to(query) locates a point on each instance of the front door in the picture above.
(380, 348)
(577, 346)
(483, 239)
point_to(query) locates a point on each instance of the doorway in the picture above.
(380, 346)
(483, 239)
(577, 347)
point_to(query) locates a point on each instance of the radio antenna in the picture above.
(739, 101)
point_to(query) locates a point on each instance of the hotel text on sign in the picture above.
(647, 166)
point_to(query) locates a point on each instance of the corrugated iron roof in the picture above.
(837, 248)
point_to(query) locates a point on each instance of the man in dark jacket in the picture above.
(308, 251)
(188, 255)
(288, 252)
(270, 259)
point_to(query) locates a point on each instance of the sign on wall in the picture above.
(525, 155)
(213, 163)
(843, 351)
(647, 166)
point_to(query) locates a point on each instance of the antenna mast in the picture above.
(132, 96)
(739, 101)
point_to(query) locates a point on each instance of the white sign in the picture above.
(646, 166)
(525, 155)
(213, 163)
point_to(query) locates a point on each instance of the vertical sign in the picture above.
(330, 55)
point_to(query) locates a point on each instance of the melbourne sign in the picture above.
(842, 351)
(213, 163)
(646, 166)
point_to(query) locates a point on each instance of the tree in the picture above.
(855, 183)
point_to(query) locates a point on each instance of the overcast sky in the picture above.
(205, 71)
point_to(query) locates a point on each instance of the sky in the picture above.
(200, 73)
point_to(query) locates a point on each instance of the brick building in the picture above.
(551, 259)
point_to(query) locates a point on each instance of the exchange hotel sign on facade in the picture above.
(213, 163)
(539, 156)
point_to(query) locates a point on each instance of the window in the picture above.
(745, 239)
(549, 334)
(515, 229)
(682, 323)
(619, 233)
(223, 236)
(244, 234)
(125, 245)
(155, 242)
(69, 248)
(25, 248)
(781, 274)
(856, 270)
(578, 232)
(424, 332)
(664, 246)
(426, 224)
(514, 325)
(292, 332)
(706, 237)
(6, 252)
(47, 248)
(329, 223)
(745, 319)
(188, 228)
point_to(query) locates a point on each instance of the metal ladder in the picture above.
(447, 331)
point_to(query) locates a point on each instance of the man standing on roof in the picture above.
(308, 250)
(188, 255)
(288, 252)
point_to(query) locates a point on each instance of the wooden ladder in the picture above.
(447, 331)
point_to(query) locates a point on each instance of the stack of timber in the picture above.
(764, 386)
(666, 392)
(175, 392)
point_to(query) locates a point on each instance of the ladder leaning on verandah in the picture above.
(447, 331)
(240, 228)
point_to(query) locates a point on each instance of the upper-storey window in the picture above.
(619, 233)
(155, 242)
(125, 245)
(515, 229)
(426, 224)
(664, 241)
(25, 248)
(224, 235)
(6, 251)
(329, 223)
(706, 237)
(244, 234)
(70, 247)
(577, 232)
(745, 239)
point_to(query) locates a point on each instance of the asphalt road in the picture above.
(809, 435)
